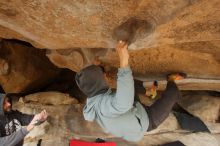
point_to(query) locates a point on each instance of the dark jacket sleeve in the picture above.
(14, 138)
(25, 119)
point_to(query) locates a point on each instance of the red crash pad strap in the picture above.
(75, 142)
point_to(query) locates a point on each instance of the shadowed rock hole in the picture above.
(64, 82)
(132, 29)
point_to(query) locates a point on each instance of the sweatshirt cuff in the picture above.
(24, 131)
(124, 70)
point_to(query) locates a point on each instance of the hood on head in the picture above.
(91, 81)
(2, 98)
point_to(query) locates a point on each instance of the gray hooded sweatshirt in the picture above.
(14, 138)
(116, 112)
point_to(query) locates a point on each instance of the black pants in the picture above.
(161, 108)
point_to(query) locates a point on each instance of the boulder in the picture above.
(51, 98)
(203, 105)
(24, 68)
(91, 24)
(66, 122)
(164, 37)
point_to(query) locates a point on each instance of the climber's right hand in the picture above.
(122, 50)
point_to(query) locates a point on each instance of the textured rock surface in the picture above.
(50, 98)
(157, 62)
(202, 105)
(173, 35)
(90, 24)
(188, 84)
(23, 68)
(165, 36)
(66, 122)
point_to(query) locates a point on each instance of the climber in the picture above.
(11, 122)
(117, 112)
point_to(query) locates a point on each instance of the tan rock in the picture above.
(72, 59)
(188, 139)
(51, 98)
(90, 24)
(188, 84)
(165, 36)
(217, 136)
(66, 122)
(4, 67)
(38, 131)
(171, 36)
(23, 68)
(170, 124)
(156, 63)
(202, 105)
